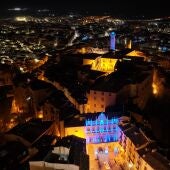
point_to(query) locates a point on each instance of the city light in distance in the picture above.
(21, 19)
(17, 9)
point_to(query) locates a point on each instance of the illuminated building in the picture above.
(100, 62)
(104, 64)
(128, 43)
(112, 41)
(98, 101)
(77, 131)
(136, 53)
(21, 19)
(102, 129)
(118, 139)
(139, 151)
(89, 50)
(69, 153)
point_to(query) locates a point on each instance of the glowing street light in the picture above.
(130, 165)
(154, 89)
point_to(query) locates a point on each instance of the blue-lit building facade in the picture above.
(102, 130)
(112, 41)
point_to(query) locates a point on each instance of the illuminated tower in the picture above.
(128, 43)
(112, 41)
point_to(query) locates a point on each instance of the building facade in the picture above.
(102, 130)
(98, 101)
(118, 139)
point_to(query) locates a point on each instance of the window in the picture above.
(88, 130)
(102, 93)
(102, 106)
(94, 105)
(94, 92)
(94, 98)
(102, 98)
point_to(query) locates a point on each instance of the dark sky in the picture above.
(122, 7)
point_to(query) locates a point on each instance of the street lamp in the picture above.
(130, 165)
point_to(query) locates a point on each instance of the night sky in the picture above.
(115, 7)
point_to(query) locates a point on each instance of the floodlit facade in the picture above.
(136, 53)
(77, 131)
(101, 64)
(98, 101)
(102, 129)
(112, 41)
(117, 139)
(128, 43)
(104, 64)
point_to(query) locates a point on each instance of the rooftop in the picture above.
(32, 129)
(127, 73)
(135, 135)
(157, 161)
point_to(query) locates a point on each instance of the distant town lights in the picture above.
(36, 60)
(17, 9)
(21, 19)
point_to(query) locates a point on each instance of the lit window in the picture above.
(101, 122)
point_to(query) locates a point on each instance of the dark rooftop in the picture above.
(135, 136)
(11, 154)
(38, 85)
(117, 54)
(32, 129)
(157, 161)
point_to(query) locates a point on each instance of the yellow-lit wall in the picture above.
(99, 100)
(104, 64)
(135, 53)
(77, 131)
(132, 156)
(129, 44)
(101, 64)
